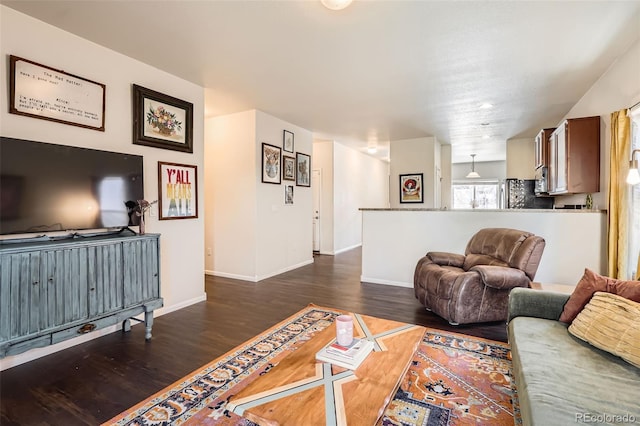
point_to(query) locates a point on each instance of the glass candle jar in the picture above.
(344, 330)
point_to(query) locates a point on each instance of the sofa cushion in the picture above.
(611, 323)
(592, 282)
(559, 377)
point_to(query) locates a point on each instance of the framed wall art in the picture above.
(271, 163)
(288, 194)
(177, 191)
(411, 189)
(43, 92)
(287, 141)
(288, 168)
(162, 121)
(303, 169)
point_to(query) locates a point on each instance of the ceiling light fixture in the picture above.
(473, 174)
(372, 150)
(633, 178)
(336, 4)
(486, 106)
(485, 136)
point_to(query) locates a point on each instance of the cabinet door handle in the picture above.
(87, 328)
(35, 283)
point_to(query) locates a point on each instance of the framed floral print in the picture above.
(271, 163)
(162, 121)
(411, 189)
(177, 191)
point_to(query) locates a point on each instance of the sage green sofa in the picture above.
(560, 379)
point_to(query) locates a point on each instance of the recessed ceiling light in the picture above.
(486, 106)
(372, 150)
(336, 4)
(485, 136)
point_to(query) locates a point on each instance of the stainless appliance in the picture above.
(520, 194)
(542, 181)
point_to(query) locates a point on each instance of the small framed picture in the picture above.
(162, 121)
(177, 191)
(288, 168)
(411, 189)
(271, 163)
(303, 169)
(288, 194)
(287, 141)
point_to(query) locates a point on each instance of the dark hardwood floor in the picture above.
(92, 382)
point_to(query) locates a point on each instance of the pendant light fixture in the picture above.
(473, 174)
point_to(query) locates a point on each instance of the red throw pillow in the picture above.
(589, 284)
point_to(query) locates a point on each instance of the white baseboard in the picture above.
(261, 277)
(333, 253)
(30, 355)
(386, 282)
(348, 248)
(287, 269)
(232, 276)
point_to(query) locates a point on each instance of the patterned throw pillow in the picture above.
(611, 323)
(592, 282)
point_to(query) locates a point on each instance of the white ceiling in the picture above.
(378, 70)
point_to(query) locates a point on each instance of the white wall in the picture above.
(520, 158)
(230, 199)
(616, 89)
(411, 156)
(252, 233)
(284, 232)
(486, 169)
(445, 163)
(569, 248)
(359, 181)
(182, 242)
(322, 160)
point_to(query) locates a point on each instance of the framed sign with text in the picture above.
(177, 191)
(43, 92)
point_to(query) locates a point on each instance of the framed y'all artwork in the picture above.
(287, 141)
(177, 191)
(288, 168)
(162, 121)
(271, 163)
(40, 91)
(288, 194)
(303, 169)
(411, 189)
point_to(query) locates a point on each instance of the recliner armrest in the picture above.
(501, 277)
(526, 302)
(446, 259)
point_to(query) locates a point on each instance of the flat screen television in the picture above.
(48, 187)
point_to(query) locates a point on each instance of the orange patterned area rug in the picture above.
(453, 379)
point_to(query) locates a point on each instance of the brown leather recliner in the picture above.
(475, 287)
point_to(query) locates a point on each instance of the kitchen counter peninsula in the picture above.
(394, 239)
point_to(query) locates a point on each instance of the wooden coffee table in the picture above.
(301, 391)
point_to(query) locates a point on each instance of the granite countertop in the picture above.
(487, 210)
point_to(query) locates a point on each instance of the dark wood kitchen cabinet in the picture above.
(574, 157)
(542, 148)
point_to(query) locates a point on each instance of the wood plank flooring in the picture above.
(90, 383)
